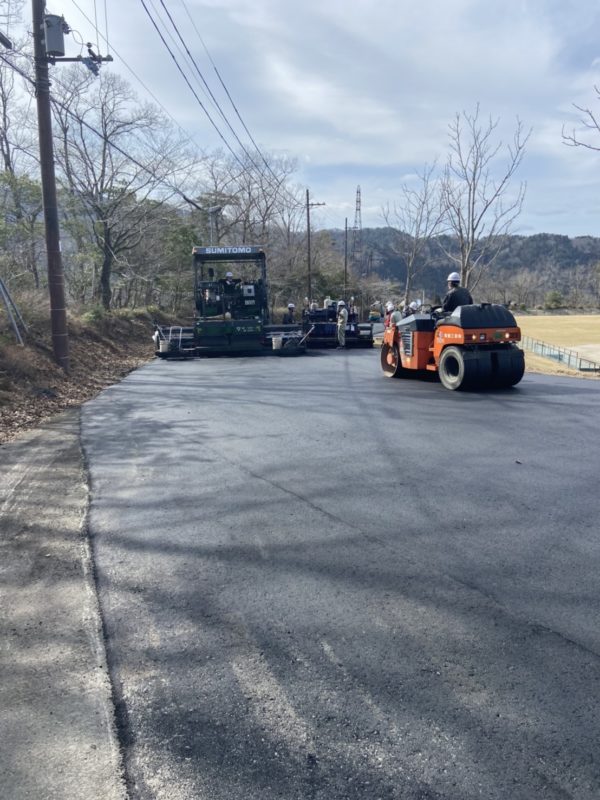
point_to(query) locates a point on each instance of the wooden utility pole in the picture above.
(345, 258)
(309, 205)
(56, 284)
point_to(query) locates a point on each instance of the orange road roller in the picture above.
(474, 347)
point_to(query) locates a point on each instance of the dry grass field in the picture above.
(578, 332)
(572, 331)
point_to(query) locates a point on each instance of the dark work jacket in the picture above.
(458, 296)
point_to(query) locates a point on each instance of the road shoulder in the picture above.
(57, 727)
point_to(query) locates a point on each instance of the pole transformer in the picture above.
(56, 283)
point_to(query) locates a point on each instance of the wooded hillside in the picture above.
(542, 270)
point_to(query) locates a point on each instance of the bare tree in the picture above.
(589, 121)
(17, 126)
(258, 206)
(259, 195)
(20, 193)
(415, 219)
(118, 160)
(21, 230)
(480, 207)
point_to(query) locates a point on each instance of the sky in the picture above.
(361, 92)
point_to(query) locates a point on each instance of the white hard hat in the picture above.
(291, 305)
(229, 274)
(389, 306)
(341, 303)
(454, 277)
(414, 305)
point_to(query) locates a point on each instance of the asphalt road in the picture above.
(317, 582)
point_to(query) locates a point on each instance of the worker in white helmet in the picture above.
(389, 310)
(457, 295)
(411, 308)
(288, 317)
(342, 319)
(230, 283)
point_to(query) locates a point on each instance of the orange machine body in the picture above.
(481, 341)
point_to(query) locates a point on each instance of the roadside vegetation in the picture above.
(104, 348)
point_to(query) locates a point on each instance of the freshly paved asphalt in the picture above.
(317, 582)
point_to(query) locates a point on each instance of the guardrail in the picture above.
(570, 358)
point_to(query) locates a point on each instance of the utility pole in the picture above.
(345, 256)
(42, 26)
(309, 205)
(213, 213)
(56, 284)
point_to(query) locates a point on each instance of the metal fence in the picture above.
(570, 358)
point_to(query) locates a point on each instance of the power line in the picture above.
(275, 188)
(184, 76)
(235, 108)
(137, 77)
(99, 134)
(159, 180)
(185, 55)
(208, 91)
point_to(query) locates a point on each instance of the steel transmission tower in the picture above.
(356, 255)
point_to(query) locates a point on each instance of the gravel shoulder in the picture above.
(57, 730)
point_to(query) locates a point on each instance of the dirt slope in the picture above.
(102, 351)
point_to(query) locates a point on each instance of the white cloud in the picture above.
(369, 87)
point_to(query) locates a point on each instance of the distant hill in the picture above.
(543, 262)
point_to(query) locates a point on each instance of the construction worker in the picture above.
(230, 284)
(457, 295)
(389, 310)
(288, 318)
(411, 308)
(342, 319)
(352, 311)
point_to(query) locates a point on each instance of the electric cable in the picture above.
(184, 76)
(229, 97)
(275, 188)
(257, 148)
(116, 147)
(278, 188)
(138, 79)
(100, 135)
